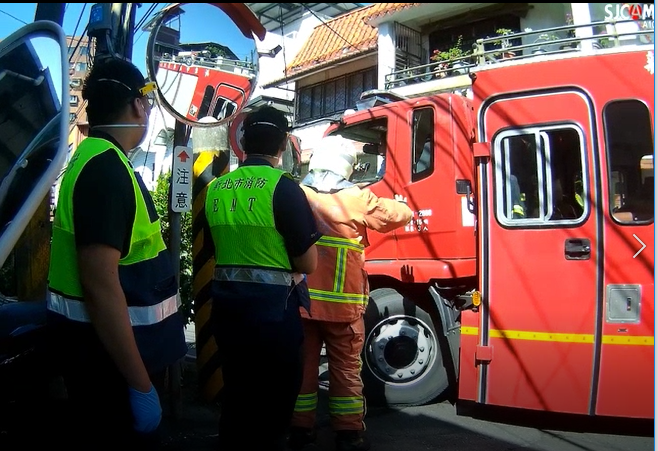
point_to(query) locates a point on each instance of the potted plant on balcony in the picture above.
(571, 33)
(504, 43)
(450, 59)
(543, 43)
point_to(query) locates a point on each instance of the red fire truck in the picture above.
(525, 278)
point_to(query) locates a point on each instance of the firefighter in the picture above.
(113, 304)
(339, 292)
(579, 193)
(518, 204)
(263, 231)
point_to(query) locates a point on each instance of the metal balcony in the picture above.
(543, 42)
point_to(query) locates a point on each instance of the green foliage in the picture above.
(503, 43)
(161, 200)
(452, 53)
(215, 51)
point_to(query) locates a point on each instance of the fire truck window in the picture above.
(519, 188)
(539, 176)
(565, 154)
(217, 109)
(629, 144)
(423, 144)
(205, 103)
(230, 109)
(223, 108)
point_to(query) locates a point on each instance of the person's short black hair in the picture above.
(108, 88)
(265, 130)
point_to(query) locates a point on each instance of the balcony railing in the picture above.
(220, 63)
(544, 41)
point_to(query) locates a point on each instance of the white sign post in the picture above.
(181, 180)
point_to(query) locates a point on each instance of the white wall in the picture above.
(150, 159)
(545, 15)
(294, 37)
(385, 52)
(310, 135)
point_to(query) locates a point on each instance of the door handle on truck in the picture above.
(577, 249)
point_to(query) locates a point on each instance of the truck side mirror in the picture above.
(464, 187)
(34, 86)
(371, 149)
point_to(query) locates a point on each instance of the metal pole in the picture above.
(211, 159)
(176, 398)
(50, 11)
(131, 15)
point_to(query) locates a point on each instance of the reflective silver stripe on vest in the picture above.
(139, 316)
(268, 276)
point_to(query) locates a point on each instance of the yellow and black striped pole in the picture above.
(211, 159)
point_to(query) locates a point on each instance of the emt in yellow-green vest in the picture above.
(113, 305)
(264, 235)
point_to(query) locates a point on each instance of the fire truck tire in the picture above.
(402, 360)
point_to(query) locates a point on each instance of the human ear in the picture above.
(139, 107)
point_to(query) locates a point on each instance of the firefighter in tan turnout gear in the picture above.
(339, 292)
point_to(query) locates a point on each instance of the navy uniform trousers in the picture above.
(260, 353)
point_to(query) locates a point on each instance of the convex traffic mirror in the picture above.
(203, 59)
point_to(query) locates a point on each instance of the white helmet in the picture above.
(334, 154)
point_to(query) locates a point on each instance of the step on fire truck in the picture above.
(525, 278)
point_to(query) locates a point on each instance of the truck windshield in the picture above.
(369, 138)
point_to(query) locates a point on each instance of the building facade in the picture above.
(411, 49)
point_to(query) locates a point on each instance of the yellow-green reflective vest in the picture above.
(146, 241)
(239, 210)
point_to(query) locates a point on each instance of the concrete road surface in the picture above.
(432, 427)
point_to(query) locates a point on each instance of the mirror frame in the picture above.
(243, 17)
(10, 235)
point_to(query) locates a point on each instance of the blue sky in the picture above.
(14, 15)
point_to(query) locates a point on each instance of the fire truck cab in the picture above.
(525, 278)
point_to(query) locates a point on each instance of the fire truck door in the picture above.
(540, 252)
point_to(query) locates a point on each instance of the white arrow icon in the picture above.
(642, 248)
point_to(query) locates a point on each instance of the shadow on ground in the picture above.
(434, 427)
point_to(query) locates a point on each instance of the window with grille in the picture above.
(408, 47)
(334, 96)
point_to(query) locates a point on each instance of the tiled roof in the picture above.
(341, 38)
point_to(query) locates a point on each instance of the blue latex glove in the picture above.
(146, 409)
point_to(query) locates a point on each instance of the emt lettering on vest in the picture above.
(239, 184)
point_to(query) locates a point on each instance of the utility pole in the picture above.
(181, 137)
(211, 160)
(32, 252)
(50, 11)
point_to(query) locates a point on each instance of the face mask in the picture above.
(143, 126)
